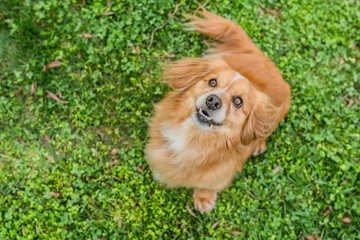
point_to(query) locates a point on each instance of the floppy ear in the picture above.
(181, 75)
(261, 121)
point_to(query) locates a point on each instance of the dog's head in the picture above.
(220, 99)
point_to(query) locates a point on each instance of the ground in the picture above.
(78, 81)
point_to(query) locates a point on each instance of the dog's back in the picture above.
(239, 51)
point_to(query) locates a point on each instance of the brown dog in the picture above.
(220, 112)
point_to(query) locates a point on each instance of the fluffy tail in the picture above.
(228, 34)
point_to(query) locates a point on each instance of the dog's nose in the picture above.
(213, 102)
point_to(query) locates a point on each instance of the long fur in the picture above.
(239, 51)
(180, 153)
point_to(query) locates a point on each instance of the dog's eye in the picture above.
(237, 102)
(212, 82)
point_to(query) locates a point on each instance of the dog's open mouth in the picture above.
(205, 118)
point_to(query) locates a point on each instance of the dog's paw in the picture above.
(260, 148)
(204, 200)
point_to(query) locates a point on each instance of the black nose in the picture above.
(213, 102)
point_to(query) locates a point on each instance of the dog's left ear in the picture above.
(181, 75)
(262, 120)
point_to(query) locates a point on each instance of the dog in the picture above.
(220, 111)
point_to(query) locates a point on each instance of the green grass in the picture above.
(77, 170)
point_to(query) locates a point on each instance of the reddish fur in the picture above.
(239, 51)
(208, 160)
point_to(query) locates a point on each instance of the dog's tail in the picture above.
(229, 35)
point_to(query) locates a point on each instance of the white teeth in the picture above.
(207, 118)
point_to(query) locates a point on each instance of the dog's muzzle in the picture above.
(205, 115)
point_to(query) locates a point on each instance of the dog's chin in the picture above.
(204, 121)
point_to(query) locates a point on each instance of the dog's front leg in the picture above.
(260, 147)
(204, 200)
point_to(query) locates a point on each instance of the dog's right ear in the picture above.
(182, 74)
(261, 121)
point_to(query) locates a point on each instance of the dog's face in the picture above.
(220, 99)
